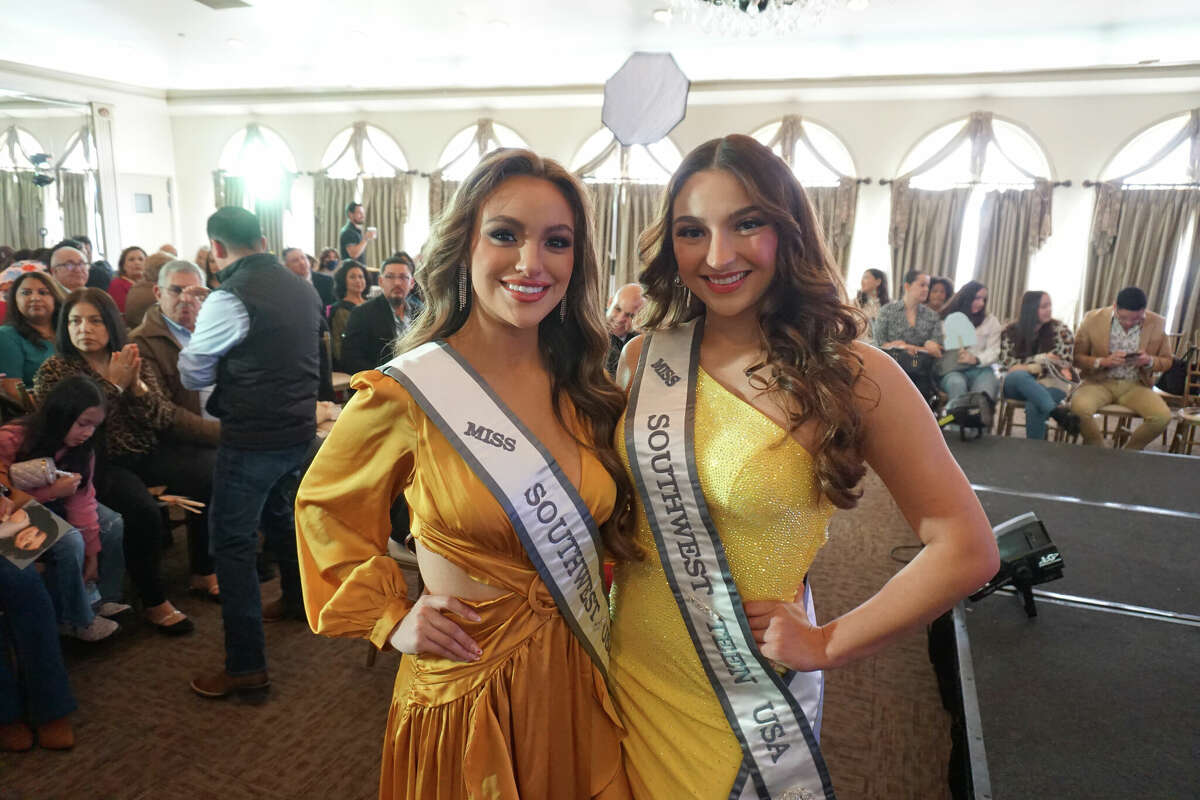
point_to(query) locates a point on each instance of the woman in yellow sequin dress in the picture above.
(788, 407)
(497, 699)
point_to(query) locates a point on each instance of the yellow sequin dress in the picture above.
(761, 490)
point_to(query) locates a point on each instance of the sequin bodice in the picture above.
(762, 493)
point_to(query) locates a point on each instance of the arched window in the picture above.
(652, 163)
(993, 154)
(805, 163)
(470, 144)
(261, 158)
(381, 155)
(79, 154)
(18, 148)
(1161, 158)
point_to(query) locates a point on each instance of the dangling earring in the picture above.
(462, 287)
(562, 310)
(677, 281)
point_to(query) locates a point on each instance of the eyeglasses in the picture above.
(78, 266)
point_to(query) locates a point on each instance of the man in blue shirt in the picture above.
(258, 339)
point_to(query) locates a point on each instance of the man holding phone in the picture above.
(353, 239)
(1117, 350)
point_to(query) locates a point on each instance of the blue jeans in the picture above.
(37, 690)
(253, 487)
(1039, 401)
(64, 574)
(973, 379)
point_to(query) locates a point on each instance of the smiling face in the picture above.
(84, 426)
(86, 328)
(723, 244)
(979, 302)
(35, 301)
(523, 252)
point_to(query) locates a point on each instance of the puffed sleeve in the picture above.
(352, 587)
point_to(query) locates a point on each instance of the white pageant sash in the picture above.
(769, 714)
(545, 510)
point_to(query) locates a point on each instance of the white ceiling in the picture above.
(409, 44)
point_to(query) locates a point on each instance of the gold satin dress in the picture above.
(762, 492)
(532, 718)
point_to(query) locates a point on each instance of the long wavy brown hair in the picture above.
(573, 351)
(805, 324)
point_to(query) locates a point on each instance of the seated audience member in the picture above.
(1118, 349)
(7, 256)
(373, 326)
(192, 438)
(62, 429)
(91, 341)
(907, 327)
(141, 294)
(622, 312)
(130, 267)
(349, 287)
(976, 373)
(169, 249)
(1028, 348)
(297, 263)
(68, 266)
(872, 295)
(940, 292)
(27, 336)
(208, 265)
(100, 273)
(35, 696)
(328, 261)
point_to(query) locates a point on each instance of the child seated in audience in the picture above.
(62, 429)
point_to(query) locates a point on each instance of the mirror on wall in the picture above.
(48, 173)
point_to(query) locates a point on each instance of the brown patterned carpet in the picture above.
(143, 735)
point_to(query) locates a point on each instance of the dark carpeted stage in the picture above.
(1096, 696)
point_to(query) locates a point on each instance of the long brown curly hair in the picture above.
(573, 351)
(806, 326)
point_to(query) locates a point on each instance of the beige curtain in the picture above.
(1013, 224)
(1187, 316)
(270, 214)
(1134, 241)
(387, 201)
(637, 210)
(604, 196)
(72, 199)
(835, 207)
(926, 231)
(330, 198)
(22, 210)
(228, 190)
(441, 192)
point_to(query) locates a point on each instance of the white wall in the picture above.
(1079, 134)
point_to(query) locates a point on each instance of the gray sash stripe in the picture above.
(544, 508)
(782, 760)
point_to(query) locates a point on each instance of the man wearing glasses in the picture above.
(69, 267)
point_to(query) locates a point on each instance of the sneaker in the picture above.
(110, 609)
(101, 628)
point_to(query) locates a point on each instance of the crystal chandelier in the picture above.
(754, 17)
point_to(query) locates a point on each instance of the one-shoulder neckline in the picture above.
(757, 412)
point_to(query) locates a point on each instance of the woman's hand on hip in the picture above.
(785, 635)
(427, 630)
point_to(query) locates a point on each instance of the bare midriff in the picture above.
(442, 577)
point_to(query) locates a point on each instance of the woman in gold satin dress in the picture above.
(495, 698)
(788, 406)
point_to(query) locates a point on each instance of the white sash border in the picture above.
(544, 508)
(782, 760)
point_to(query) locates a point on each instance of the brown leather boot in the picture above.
(56, 735)
(222, 684)
(15, 737)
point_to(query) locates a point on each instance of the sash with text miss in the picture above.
(766, 711)
(545, 509)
